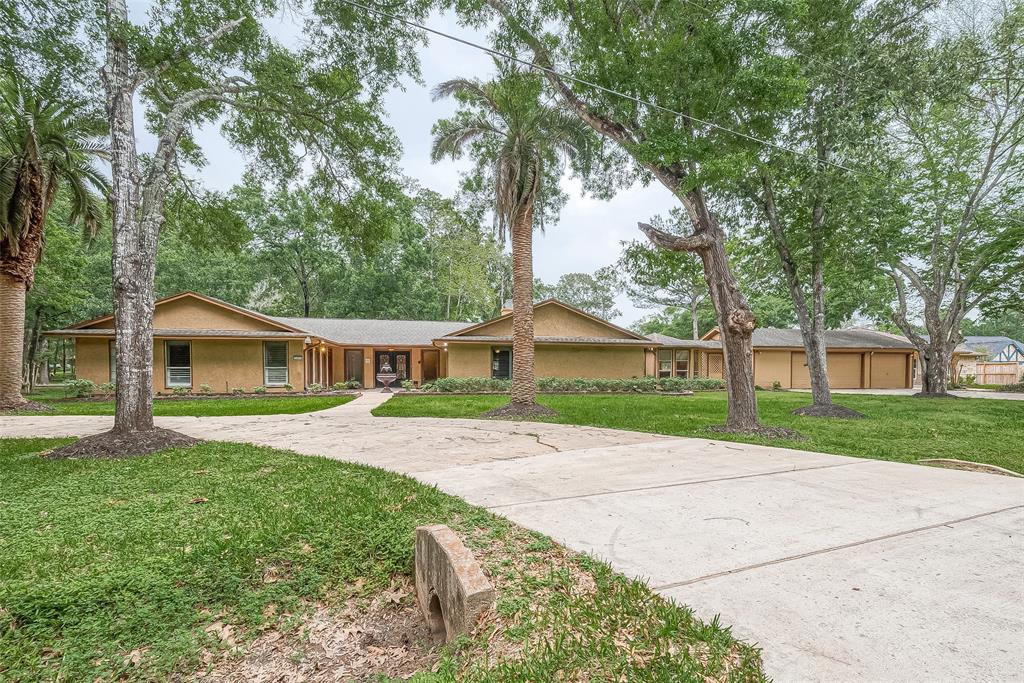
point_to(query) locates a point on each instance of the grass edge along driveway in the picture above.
(897, 428)
(113, 570)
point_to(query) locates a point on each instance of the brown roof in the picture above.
(183, 332)
(547, 302)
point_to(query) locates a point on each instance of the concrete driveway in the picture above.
(841, 569)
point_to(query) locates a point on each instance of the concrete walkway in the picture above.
(842, 569)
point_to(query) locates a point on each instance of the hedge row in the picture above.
(575, 385)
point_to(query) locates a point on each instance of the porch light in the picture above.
(307, 341)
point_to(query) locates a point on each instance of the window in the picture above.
(665, 363)
(275, 364)
(179, 363)
(501, 363)
(113, 361)
(682, 363)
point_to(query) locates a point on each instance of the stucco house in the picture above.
(199, 340)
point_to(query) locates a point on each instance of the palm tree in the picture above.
(520, 143)
(48, 144)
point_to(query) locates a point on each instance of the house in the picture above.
(998, 360)
(199, 340)
(856, 358)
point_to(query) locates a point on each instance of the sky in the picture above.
(589, 232)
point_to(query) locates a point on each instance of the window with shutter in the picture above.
(179, 363)
(275, 363)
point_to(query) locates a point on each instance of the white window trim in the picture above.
(266, 368)
(168, 367)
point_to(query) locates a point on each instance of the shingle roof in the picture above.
(361, 332)
(991, 345)
(181, 332)
(612, 341)
(856, 338)
(674, 342)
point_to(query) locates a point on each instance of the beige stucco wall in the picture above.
(92, 361)
(474, 360)
(552, 320)
(589, 361)
(469, 360)
(844, 370)
(192, 313)
(772, 366)
(222, 363)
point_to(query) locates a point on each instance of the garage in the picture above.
(843, 370)
(888, 370)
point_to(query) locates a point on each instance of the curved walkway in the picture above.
(842, 569)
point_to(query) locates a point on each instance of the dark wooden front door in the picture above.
(354, 365)
(399, 362)
(431, 361)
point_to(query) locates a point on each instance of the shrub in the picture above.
(181, 391)
(205, 389)
(259, 390)
(1017, 388)
(288, 387)
(80, 387)
(237, 391)
(315, 388)
(107, 388)
(353, 384)
(337, 386)
(408, 384)
(582, 385)
(776, 385)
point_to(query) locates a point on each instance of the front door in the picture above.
(398, 361)
(354, 365)
(431, 361)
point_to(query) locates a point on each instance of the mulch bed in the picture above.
(117, 445)
(519, 411)
(26, 407)
(968, 466)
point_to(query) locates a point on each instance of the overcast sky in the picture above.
(589, 232)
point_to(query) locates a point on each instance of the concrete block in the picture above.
(450, 586)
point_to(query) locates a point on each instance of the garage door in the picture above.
(772, 366)
(843, 371)
(888, 371)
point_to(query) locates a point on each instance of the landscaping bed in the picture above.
(900, 428)
(204, 406)
(572, 385)
(233, 562)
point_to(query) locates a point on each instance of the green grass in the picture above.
(200, 407)
(900, 428)
(100, 559)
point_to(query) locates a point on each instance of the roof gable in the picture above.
(552, 318)
(191, 310)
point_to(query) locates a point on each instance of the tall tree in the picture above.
(706, 69)
(49, 143)
(659, 277)
(594, 293)
(956, 235)
(520, 144)
(314, 110)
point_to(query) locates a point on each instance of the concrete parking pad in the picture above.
(840, 568)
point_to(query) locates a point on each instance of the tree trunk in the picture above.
(524, 386)
(33, 337)
(134, 266)
(694, 305)
(12, 335)
(936, 358)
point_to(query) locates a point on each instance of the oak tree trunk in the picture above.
(134, 248)
(524, 386)
(694, 305)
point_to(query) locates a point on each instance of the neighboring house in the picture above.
(996, 349)
(201, 340)
(857, 358)
(995, 356)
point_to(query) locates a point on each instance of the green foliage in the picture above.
(181, 391)
(237, 391)
(594, 294)
(259, 390)
(581, 385)
(1007, 324)
(315, 388)
(205, 389)
(107, 388)
(1016, 387)
(80, 387)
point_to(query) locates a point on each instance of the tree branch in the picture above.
(187, 51)
(666, 240)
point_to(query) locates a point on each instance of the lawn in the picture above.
(199, 407)
(900, 428)
(135, 569)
